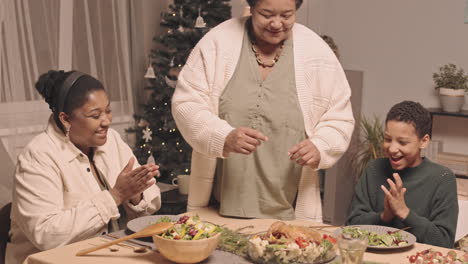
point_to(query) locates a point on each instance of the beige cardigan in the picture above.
(323, 93)
(57, 200)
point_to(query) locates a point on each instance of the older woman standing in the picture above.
(264, 102)
(78, 179)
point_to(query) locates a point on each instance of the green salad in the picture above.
(189, 228)
(389, 239)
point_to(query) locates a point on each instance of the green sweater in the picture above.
(431, 197)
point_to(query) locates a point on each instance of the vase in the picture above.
(451, 100)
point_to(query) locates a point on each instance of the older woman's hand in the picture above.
(131, 183)
(243, 140)
(305, 153)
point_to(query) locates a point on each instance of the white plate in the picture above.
(138, 224)
(382, 230)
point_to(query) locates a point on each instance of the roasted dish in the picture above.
(284, 243)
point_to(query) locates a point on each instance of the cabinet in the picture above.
(462, 180)
(439, 112)
(339, 180)
(172, 203)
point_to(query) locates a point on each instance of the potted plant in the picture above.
(452, 84)
(370, 145)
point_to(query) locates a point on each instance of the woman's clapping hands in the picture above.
(132, 182)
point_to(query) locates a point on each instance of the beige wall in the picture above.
(398, 44)
(303, 14)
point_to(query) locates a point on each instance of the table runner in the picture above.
(66, 254)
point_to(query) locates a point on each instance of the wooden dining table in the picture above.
(125, 252)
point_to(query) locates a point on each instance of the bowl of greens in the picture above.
(379, 237)
(190, 240)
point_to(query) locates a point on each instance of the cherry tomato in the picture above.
(331, 239)
(302, 243)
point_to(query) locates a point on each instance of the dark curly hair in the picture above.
(252, 3)
(412, 113)
(49, 85)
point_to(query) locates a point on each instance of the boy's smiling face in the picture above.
(402, 144)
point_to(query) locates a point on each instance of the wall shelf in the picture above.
(438, 111)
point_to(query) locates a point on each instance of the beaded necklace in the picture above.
(264, 64)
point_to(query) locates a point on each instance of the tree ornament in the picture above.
(150, 160)
(170, 83)
(147, 134)
(150, 71)
(143, 123)
(174, 72)
(200, 23)
(180, 28)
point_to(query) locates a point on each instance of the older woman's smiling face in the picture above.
(272, 20)
(90, 122)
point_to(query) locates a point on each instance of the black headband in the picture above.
(67, 84)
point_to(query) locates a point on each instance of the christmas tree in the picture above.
(157, 136)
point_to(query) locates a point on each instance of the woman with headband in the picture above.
(78, 179)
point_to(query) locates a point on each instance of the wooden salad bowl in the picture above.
(186, 251)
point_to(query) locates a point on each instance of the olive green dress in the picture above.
(263, 184)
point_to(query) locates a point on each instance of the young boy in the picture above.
(404, 189)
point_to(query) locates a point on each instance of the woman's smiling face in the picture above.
(90, 122)
(402, 144)
(272, 20)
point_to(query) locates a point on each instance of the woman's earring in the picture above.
(67, 132)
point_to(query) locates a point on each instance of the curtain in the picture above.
(30, 36)
(466, 11)
(101, 33)
(28, 46)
